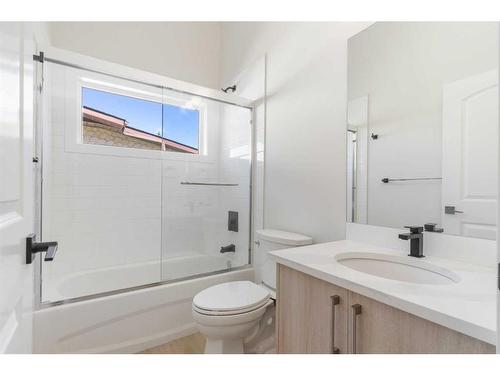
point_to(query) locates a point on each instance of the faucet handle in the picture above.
(432, 227)
(415, 229)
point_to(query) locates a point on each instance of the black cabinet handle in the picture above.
(335, 302)
(355, 311)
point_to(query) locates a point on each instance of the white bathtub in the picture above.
(90, 282)
(126, 322)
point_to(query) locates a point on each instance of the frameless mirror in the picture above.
(422, 126)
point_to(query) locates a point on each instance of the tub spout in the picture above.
(228, 249)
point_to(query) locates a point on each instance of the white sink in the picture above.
(413, 270)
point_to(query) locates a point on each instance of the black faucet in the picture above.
(228, 249)
(416, 238)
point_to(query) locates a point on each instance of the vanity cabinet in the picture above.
(314, 316)
(309, 310)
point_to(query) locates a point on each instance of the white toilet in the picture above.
(228, 313)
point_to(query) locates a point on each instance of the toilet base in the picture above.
(224, 346)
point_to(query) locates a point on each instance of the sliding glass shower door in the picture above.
(206, 199)
(141, 184)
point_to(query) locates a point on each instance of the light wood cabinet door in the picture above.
(307, 319)
(380, 328)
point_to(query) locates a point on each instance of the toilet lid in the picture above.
(231, 296)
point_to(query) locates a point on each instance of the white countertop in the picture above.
(468, 306)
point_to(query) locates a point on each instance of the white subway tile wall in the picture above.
(126, 221)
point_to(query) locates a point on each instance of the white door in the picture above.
(16, 187)
(470, 156)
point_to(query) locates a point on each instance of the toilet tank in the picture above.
(272, 239)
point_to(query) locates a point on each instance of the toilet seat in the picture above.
(232, 298)
(230, 312)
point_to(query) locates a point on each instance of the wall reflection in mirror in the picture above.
(422, 127)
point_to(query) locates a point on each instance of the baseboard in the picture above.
(143, 343)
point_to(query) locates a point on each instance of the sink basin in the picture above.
(397, 268)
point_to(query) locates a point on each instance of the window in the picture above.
(122, 121)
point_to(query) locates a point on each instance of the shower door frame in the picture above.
(118, 71)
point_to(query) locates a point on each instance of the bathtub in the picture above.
(126, 322)
(57, 287)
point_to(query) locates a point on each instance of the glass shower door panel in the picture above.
(101, 196)
(200, 192)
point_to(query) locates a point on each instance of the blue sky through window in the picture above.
(179, 124)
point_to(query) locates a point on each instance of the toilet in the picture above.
(228, 313)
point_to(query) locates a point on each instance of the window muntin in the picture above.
(117, 120)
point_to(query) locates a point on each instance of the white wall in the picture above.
(305, 118)
(402, 68)
(187, 51)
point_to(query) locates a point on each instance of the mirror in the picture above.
(422, 126)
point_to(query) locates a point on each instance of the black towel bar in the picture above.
(386, 180)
